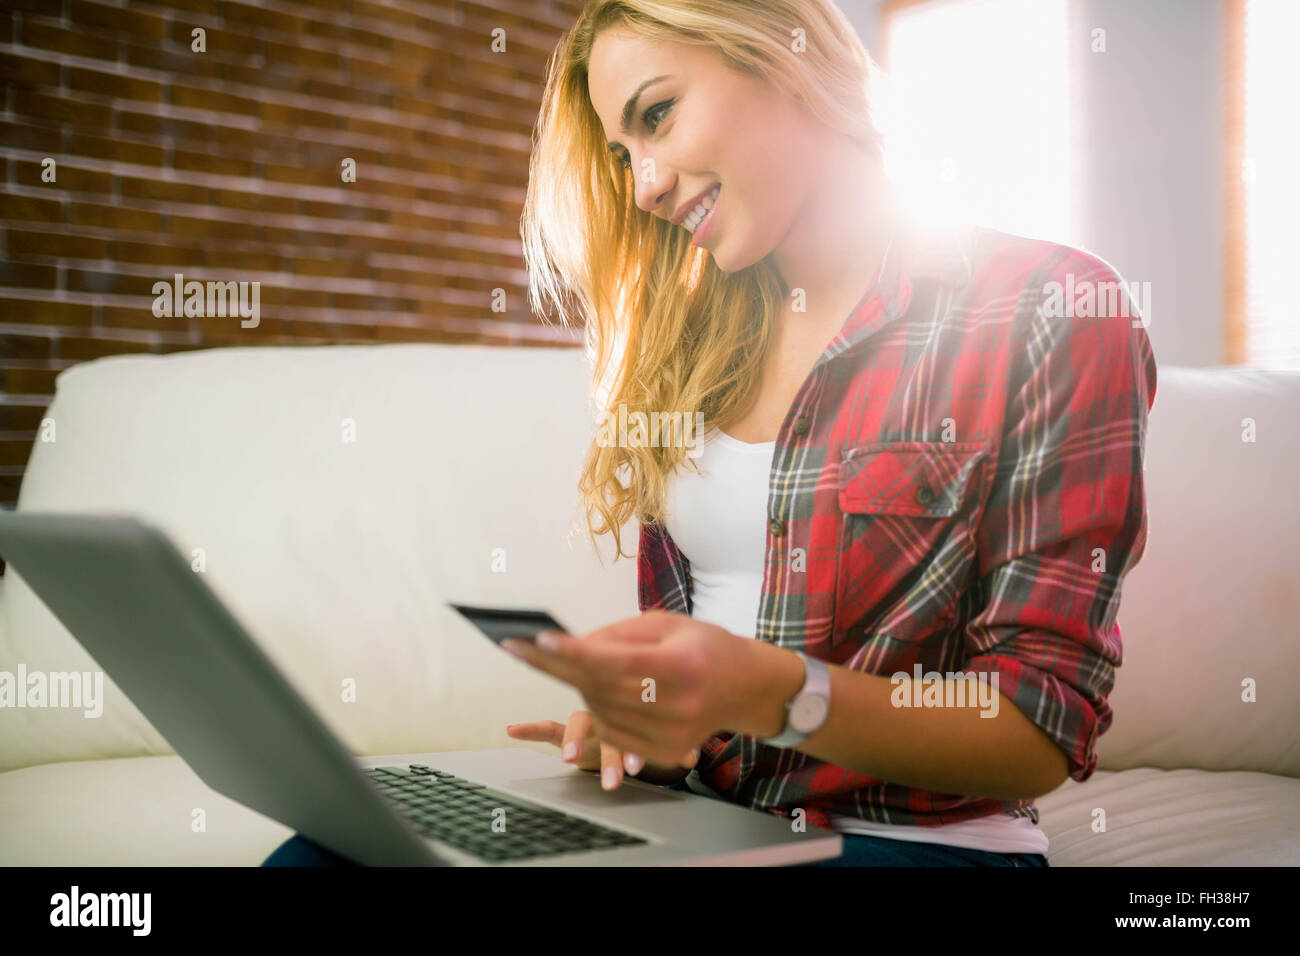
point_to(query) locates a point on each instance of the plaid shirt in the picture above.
(939, 491)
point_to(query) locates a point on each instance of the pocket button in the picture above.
(924, 495)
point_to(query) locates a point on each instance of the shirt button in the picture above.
(801, 425)
(776, 527)
(924, 495)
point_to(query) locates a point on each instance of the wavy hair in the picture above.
(664, 329)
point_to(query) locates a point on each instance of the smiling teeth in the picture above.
(696, 215)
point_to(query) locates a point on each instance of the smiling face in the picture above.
(703, 125)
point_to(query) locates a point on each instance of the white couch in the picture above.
(338, 557)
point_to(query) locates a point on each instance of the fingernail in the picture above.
(632, 764)
(570, 750)
(514, 647)
(548, 640)
(609, 779)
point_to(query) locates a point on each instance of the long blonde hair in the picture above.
(665, 330)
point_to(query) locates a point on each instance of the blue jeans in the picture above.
(859, 850)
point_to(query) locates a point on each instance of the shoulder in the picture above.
(1064, 301)
(1008, 262)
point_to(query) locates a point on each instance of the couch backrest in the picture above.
(461, 485)
(338, 555)
(1215, 600)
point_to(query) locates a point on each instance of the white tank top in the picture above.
(718, 519)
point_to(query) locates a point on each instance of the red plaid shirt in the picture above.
(945, 477)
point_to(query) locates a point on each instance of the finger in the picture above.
(611, 766)
(582, 663)
(575, 735)
(626, 740)
(648, 627)
(691, 759)
(547, 731)
(632, 764)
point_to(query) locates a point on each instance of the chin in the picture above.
(729, 263)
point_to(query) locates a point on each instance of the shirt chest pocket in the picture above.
(909, 510)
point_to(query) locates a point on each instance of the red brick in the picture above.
(120, 150)
(114, 84)
(184, 159)
(47, 36)
(116, 20)
(73, 180)
(258, 17)
(15, 451)
(16, 346)
(215, 100)
(27, 275)
(171, 254)
(218, 258)
(220, 44)
(32, 207)
(259, 202)
(113, 217)
(110, 282)
(81, 349)
(29, 381)
(28, 136)
(41, 312)
(28, 243)
(151, 126)
(194, 227)
(165, 190)
(25, 71)
(57, 109)
(21, 418)
(142, 317)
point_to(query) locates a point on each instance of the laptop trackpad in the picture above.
(583, 789)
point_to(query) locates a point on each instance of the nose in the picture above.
(650, 187)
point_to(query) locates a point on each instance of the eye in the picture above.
(665, 106)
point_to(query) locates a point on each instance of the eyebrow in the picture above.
(630, 107)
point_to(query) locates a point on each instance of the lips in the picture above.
(684, 210)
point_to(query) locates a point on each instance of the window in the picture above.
(1262, 326)
(976, 109)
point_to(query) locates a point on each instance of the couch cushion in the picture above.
(138, 811)
(1174, 818)
(126, 812)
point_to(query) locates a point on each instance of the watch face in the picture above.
(808, 713)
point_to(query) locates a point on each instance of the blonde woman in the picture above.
(880, 595)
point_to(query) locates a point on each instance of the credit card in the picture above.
(500, 623)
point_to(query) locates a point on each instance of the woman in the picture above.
(881, 597)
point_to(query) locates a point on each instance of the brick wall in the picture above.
(226, 165)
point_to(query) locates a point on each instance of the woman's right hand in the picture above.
(580, 748)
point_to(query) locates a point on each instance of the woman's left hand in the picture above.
(658, 685)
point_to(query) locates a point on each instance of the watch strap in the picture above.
(817, 682)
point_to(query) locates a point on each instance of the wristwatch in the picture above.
(807, 710)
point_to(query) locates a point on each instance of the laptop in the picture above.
(121, 587)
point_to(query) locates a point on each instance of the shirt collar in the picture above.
(914, 255)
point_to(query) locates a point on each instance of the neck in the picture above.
(840, 236)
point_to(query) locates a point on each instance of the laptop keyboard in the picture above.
(461, 814)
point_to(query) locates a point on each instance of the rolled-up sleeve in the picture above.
(1066, 519)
